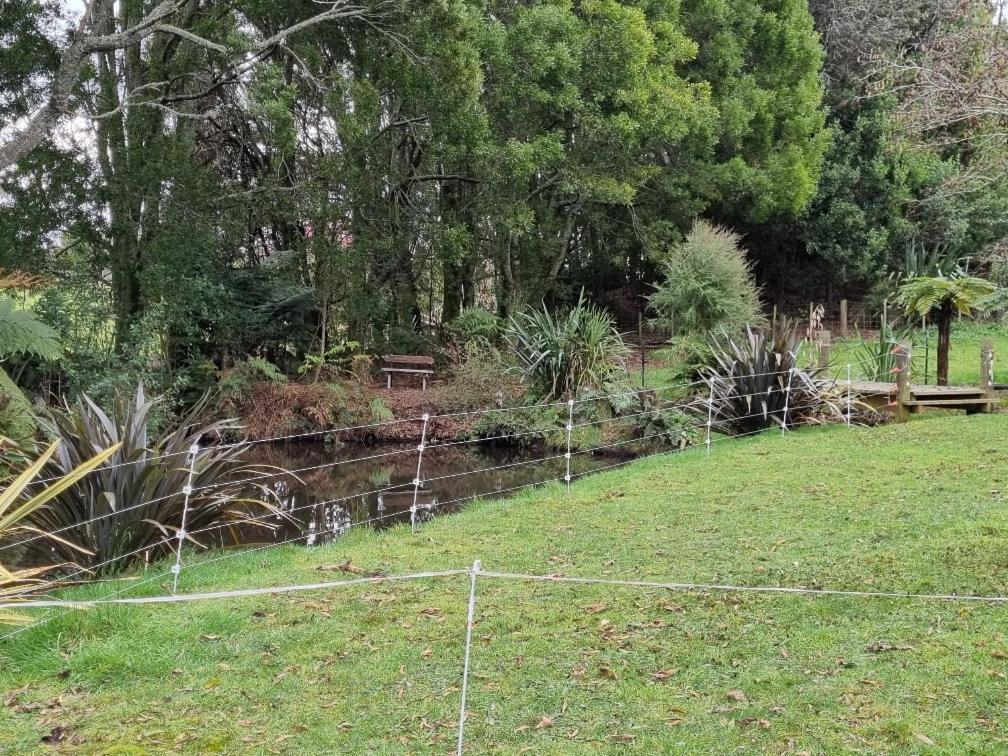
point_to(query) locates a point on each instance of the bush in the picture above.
(521, 426)
(748, 383)
(565, 354)
(475, 325)
(100, 518)
(479, 374)
(708, 283)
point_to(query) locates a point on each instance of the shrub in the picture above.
(747, 383)
(521, 426)
(16, 506)
(275, 409)
(475, 325)
(565, 354)
(137, 497)
(237, 384)
(708, 283)
(480, 375)
(875, 359)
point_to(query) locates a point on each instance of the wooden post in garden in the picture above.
(825, 342)
(773, 323)
(843, 318)
(987, 372)
(901, 366)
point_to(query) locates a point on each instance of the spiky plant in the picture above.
(16, 506)
(563, 354)
(943, 298)
(131, 508)
(875, 358)
(751, 381)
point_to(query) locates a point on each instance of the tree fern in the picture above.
(22, 333)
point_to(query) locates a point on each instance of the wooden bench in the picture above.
(409, 364)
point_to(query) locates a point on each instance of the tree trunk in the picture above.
(944, 341)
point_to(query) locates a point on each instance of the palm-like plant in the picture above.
(16, 507)
(564, 354)
(943, 298)
(131, 509)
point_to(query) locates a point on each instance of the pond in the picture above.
(332, 490)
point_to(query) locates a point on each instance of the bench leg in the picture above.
(425, 383)
(388, 381)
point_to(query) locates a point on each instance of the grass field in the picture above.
(558, 668)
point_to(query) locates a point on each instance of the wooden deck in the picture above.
(881, 395)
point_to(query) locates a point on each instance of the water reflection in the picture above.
(336, 489)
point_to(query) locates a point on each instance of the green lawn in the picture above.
(557, 668)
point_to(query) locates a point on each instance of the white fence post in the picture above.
(470, 617)
(416, 480)
(181, 535)
(570, 429)
(787, 401)
(849, 395)
(710, 416)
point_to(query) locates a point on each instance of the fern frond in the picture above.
(22, 333)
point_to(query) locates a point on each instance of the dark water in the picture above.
(332, 490)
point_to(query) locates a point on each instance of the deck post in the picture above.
(843, 318)
(987, 372)
(825, 342)
(901, 366)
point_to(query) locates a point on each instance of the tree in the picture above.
(943, 298)
(708, 283)
(102, 30)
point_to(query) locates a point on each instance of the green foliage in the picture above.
(875, 359)
(17, 505)
(236, 385)
(923, 295)
(561, 355)
(131, 509)
(22, 333)
(520, 426)
(380, 413)
(752, 382)
(337, 360)
(708, 283)
(17, 420)
(475, 325)
(479, 375)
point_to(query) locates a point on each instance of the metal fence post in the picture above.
(570, 429)
(416, 480)
(470, 619)
(176, 569)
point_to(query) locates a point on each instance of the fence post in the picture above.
(927, 349)
(850, 398)
(825, 343)
(570, 429)
(640, 342)
(987, 372)
(710, 415)
(470, 617)
(901, 355)
(416, 480)
(843, 318)
(787, 401)
(176, 569)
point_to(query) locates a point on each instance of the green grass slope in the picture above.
(560, 668)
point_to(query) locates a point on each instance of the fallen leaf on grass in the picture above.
(879, 647)
(595, 608)
(664, 674)
(349, 568)
(544, 722)
(209, 637)
(427, 653)
(737, 695)
(607, 672)
(924, 739)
